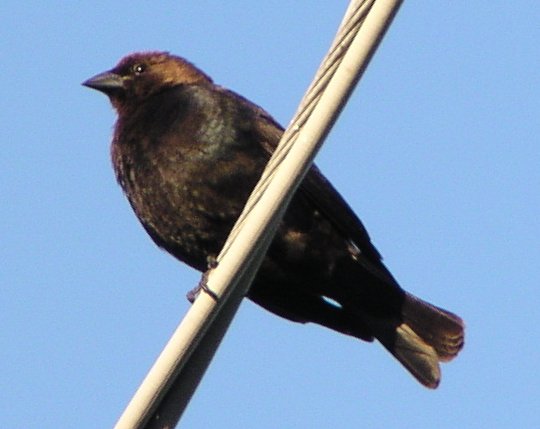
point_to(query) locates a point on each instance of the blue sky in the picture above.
(437, 152)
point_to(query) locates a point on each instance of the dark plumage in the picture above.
(187, 153)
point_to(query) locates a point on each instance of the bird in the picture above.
(188, 152)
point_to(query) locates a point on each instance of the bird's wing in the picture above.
(327, 200)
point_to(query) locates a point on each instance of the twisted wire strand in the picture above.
(348, 29)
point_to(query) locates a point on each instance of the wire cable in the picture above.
(165, 392)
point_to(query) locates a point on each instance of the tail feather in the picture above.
(423, 337)
(443, 330)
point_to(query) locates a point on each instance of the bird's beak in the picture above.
(107, 82)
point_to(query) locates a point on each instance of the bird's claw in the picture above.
(203, 283)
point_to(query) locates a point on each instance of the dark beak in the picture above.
(107, 82)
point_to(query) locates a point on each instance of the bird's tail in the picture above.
(423, 337)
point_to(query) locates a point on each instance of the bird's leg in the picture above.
(211, 263)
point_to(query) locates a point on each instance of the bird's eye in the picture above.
(138, 68)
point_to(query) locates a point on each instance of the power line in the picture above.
(165, 392)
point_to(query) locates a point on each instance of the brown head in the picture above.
(140, 75)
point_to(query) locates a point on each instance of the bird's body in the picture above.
(187, 154)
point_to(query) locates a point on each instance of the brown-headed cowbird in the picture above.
(187, 154)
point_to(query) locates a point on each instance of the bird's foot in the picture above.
(203, 283)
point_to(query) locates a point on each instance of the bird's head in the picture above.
(140, 75)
